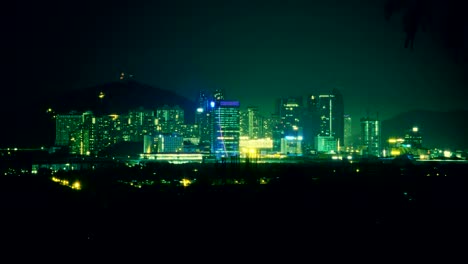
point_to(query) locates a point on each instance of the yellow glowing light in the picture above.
(423, 157)
(415, 129)
(76, 185)
(185, 182)
(101, 95)
(357, 170)
(447, 153)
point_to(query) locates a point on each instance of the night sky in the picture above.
(255, 50)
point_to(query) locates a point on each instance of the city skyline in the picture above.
(255, 51)
(248, 48)
(310, 128)
(235, 127)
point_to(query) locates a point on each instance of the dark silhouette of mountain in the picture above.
(438, 129)
(120, 97)
(32, 126)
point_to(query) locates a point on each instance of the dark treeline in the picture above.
(263, 201)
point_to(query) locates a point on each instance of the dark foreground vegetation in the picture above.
(229, 207)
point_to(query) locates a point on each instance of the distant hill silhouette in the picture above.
(32, 127)
(438, 129)
(120, 97)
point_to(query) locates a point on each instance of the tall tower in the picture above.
(244, 123)
(289, 110)
(348, 134)
(329, 110)
(255, 123)
(310, 121)
(225, 131)
(325, 111)
(289, 123)
(325, 140)
(371, 136)
(338, 117)
(203, 118)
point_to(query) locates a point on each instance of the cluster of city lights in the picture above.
(75, 185)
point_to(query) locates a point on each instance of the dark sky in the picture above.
(255, 50)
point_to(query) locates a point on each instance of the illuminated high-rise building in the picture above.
(170, 143)
(348, 134)
(64, 126)
(291, 144)
(311, 122)
(267, 127)
(329, 110)
(225, 131)
(371, 136)
(150, 144)
(325, 109)
(244, 123)
(413, 138)
(82, 140)
(139, 123)
(106, 131)
(189, 131)
(252, 123)
(170, 118)
(79, 142)
(203, 119)
(163, 143)
(326, 144)
(96, 133)
(338, 117)
(289, 112)
(277, 131)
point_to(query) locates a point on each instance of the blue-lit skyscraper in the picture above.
(225, 131)
(203, 120)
